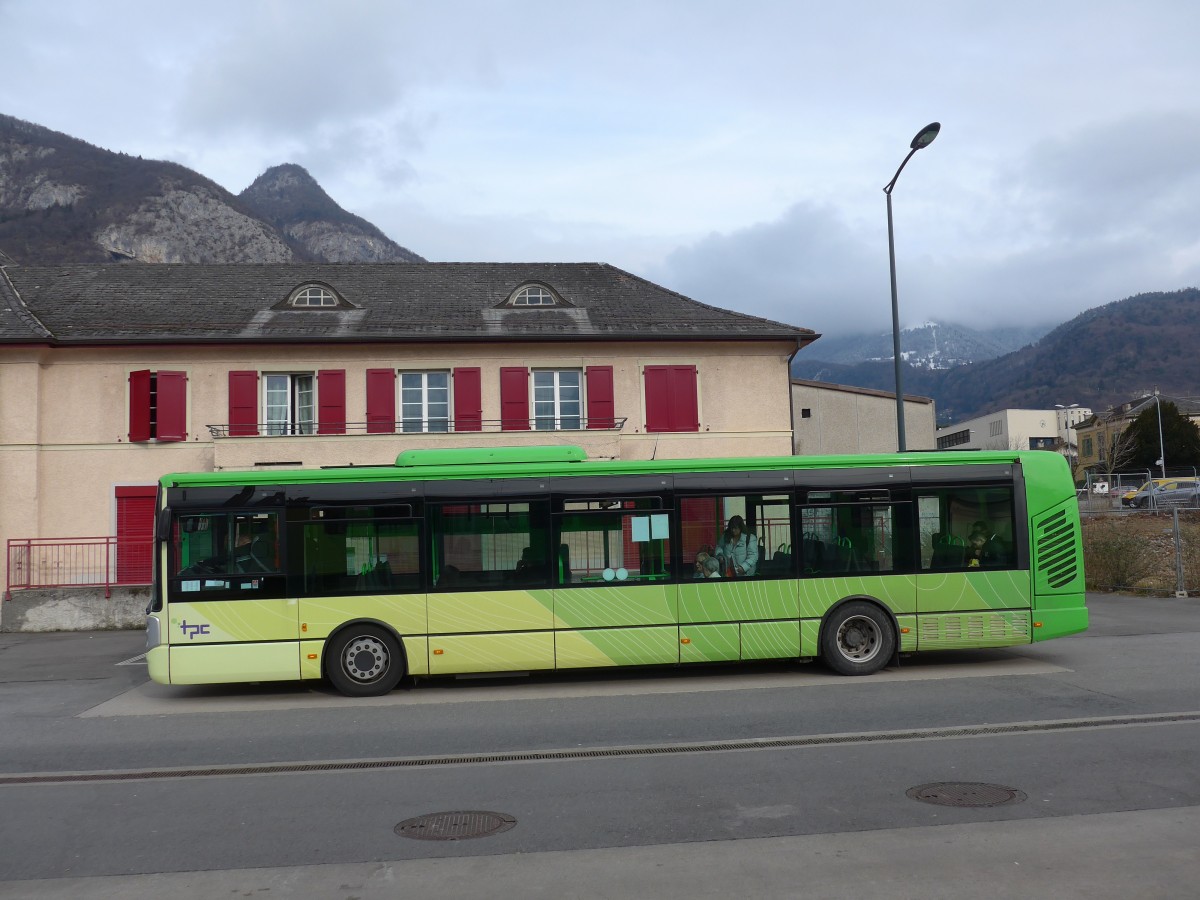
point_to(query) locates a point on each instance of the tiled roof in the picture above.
(392, 302)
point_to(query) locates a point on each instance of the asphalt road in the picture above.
(773, 781)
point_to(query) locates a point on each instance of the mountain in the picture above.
(932, 345)
(1099, 359)
(291, 200)
(63, 201)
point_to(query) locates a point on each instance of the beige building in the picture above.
(1103, 446)
(835, 418)
(111, 376)
(1017, 429)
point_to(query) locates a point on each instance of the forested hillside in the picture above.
(1098, 359)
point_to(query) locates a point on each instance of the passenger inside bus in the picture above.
(739, 548)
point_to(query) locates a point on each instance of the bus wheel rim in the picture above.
(365, 658)
(859, 638)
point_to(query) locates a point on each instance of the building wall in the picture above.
(839, 419)
(1016, 429)
(64, 415)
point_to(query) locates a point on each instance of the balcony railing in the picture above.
(77, 562)
(415, 426)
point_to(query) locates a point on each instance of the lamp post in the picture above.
(923, 139)
(1162, 455)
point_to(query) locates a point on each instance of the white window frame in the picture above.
(314, 296)
(299, 414)
(430, 409)
(534, 295)
(552, 410)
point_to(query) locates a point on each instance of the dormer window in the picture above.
(313, 295)
(535, 295)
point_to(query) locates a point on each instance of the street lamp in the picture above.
(1162, 455)
(923, 139)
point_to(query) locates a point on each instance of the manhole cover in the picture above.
(965, 793)
(455, 826)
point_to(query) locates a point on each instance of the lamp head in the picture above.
(925, 136)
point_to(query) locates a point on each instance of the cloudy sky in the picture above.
(734, 151)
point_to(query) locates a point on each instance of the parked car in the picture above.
(1165, 492)
(1143, 490)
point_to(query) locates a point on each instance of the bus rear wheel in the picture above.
(364, 661)
(858, 639)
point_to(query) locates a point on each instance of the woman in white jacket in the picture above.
(738, 548)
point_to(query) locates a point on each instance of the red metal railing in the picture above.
(77, 562)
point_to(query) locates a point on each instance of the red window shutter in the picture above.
(600, 407)
(381, 401)
(172, 406)
(243, 403)
(683, 386)
(658, 398)
(331, 401)
(468, 400)
(514, 399)
(671, 403)
(139, 405)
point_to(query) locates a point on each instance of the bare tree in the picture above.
(1120, 447)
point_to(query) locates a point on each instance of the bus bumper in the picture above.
(1053, 623)
(159, 663)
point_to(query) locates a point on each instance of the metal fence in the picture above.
(1148, 552)
(77, 562)
(420, 426)
(1103, 492)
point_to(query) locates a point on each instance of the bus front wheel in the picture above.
(364, 661)
(858, 639)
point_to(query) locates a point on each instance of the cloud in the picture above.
(286, 70)
(807, 268)
(1099, 213)
(1136, 175)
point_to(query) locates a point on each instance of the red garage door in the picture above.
(135, 534)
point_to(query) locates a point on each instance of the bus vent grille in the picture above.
(1056, 539)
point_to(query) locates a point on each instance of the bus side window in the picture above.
(497, 545)
(612, 542)
(967, 528)
(760, 547)
(355, 551)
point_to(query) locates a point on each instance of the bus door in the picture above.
(489, 602)
(614, 600)
(738, 594)
(229, 617)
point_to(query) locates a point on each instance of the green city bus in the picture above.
(523, 559)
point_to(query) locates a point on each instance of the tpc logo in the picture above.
(192, 630)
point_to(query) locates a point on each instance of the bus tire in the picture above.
(858, 639)
(364, 660)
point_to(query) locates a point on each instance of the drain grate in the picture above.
(455, 826)
(965, 793)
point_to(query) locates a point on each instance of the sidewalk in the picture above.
(1146, 854)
